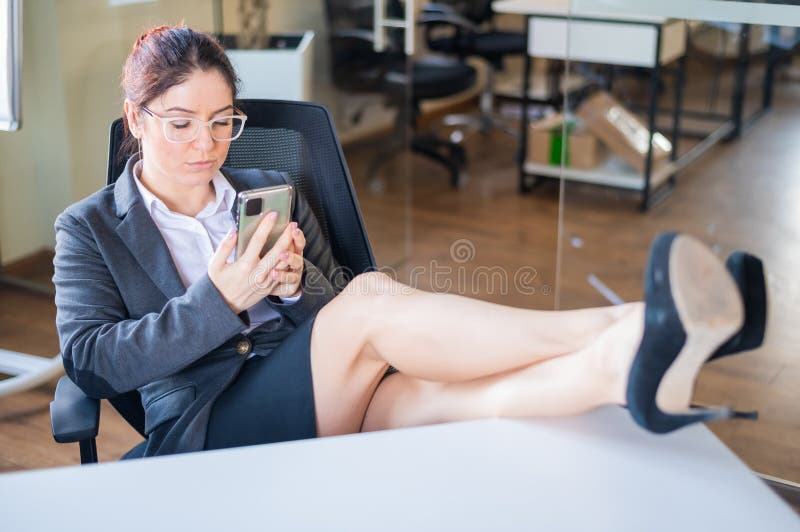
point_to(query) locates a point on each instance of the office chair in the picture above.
(358, 68)
(294, 137)
(464, 28)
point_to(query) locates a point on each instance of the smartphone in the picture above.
(251, 204)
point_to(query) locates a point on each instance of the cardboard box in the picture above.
(622, 131)
(545, 140)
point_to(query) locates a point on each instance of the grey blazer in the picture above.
(126, 321)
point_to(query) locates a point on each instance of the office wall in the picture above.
(73, 54)
(35, 161)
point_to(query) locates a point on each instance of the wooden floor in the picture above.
(743, 194)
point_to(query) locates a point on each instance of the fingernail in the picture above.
(230, 234)
(294, 225)
(272, 215)
(274, 274)
(284, 255)
(296, 232)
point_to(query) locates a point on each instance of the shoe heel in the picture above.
(656, 421)
(734, 414)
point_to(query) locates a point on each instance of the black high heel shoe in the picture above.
(748, 273)
(692, 307)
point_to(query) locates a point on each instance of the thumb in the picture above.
(220, 257)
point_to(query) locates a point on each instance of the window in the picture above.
(10, 63)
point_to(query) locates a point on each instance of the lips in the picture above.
(201, 164)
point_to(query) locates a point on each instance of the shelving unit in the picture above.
(557, 30)
(611, 172)
(554, 32)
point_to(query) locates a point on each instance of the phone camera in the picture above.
(253, 207)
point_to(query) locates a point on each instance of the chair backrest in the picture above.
(351, 14)
(355, 65)
(297, 138)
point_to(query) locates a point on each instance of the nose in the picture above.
(204, 141)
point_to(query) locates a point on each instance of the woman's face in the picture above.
(204, 95)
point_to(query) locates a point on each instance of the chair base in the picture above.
(27, 371)
(487, 119)
(448, 153)
(445, 152)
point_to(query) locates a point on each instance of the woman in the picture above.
(233, 352)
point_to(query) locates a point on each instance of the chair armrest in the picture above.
(73, 415)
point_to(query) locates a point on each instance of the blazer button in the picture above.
(244, 347)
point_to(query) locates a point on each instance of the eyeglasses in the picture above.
(183, 129)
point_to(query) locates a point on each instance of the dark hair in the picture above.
(163, 57)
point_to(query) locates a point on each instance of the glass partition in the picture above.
(716, 83)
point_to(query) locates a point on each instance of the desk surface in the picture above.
(563, 8)
(594, 472)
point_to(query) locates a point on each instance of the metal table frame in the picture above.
(731, 128)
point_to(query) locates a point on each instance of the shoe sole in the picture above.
(711, 311)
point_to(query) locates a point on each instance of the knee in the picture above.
(370, 293)
(371, 285)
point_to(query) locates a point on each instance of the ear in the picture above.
(132, 118)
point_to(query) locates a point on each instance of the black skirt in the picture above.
(272, 398)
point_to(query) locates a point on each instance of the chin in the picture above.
(197, 177)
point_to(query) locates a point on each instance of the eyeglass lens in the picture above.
(186, 130)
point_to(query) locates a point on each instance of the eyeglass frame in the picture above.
(167, 119)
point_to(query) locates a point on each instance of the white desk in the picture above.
(594, 472)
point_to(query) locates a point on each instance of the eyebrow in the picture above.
(192, 112)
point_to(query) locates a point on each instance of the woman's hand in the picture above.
(248, 280)
(289, 271)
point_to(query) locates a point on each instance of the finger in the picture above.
(284, 277)
(299, 240)
(284, 258)
(294, 261)
(289, 261)
(272, 257)
(220, 257)
(253, 251)
(259, 277)
(266, 286)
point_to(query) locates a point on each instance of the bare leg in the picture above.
(376, 321)
(448, 338)
(593, 376)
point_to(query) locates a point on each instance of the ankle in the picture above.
(615, 350)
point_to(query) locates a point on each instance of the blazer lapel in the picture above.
(141, 236)
(237, 186)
